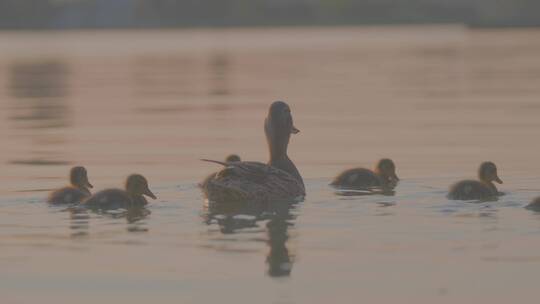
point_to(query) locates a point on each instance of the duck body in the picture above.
(481, 189)
(357, 178)
(74, 193)
(258, 182)
(114, 199)
(251, 181)
(471, 190)
(132, 197)
(383, 177)
(68, 195)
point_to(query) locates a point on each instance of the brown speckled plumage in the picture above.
(251, 181)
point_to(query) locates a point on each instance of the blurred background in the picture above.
(56, 14)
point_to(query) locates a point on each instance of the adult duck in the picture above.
(383, 177)
(76, 191)
(483, 189)
(246, 181)
(136, 186)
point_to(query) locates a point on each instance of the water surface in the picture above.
(437, 100)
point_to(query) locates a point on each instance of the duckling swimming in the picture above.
(258, 182)
(136, 187)
(478, 190)
(534, 205)
(383, 177)
(232, 158)
(76, 192)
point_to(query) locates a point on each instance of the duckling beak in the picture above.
(149, 193)
(498, 180)
(294, 130)
(394, 177)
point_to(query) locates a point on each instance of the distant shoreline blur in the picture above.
(285, 26)
(149, 14)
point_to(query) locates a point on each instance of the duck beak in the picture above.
(498, 180)
(89, 185)
(149, 193)
(294, 130)
(395, 177)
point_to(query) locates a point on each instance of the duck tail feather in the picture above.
(214, 161)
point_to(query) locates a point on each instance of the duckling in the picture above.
(384, 176)
(232, 158)
(228, 159)
(256, 182)
(534, 205)
(76, 192)
(478, 190)
(136, 187)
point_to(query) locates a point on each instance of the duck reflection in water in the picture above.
(80, 218)
(279, 260)
(233, 217)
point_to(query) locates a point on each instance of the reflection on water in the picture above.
(234, 217)
(220, 65)
(279, 259)
(39, 91)
(182, 75)
(80, 219)
(164, 76)
(79, 222)
(362, 192)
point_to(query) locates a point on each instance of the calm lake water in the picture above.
(437, 100)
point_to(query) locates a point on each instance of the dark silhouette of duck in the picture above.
(136, 187)
(483, 189)
(76, 192)
(534, 205)
(382, 177)
(232, 158)
(229, 158)
(258, 182)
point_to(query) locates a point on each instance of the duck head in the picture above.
(488, 173)
(278, 128)
(387, 170)
(78, 177)
(137, 185)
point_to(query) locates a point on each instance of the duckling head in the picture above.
(387, 170)
(232, 158)
(488, 173)
(137, 184)
(79, 177)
